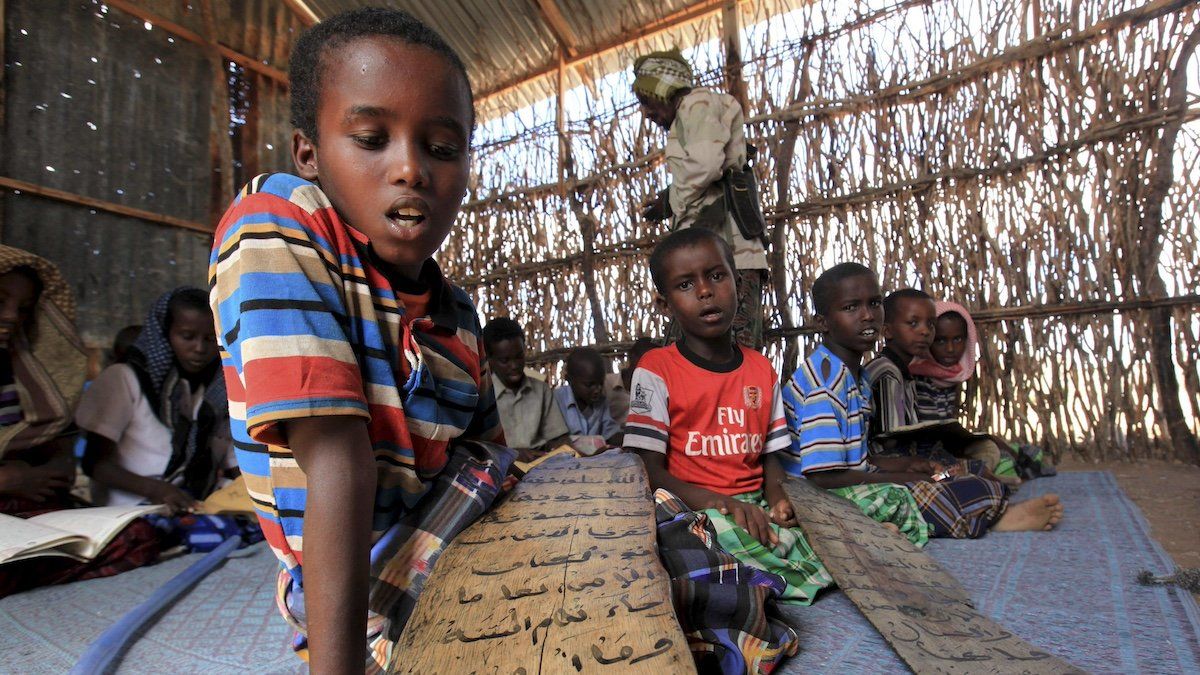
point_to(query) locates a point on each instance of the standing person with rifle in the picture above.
(712, 185)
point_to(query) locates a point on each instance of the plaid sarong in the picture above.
(889, 503)
(722, 605)
(403, 558)
(963, 507)
(792, 558)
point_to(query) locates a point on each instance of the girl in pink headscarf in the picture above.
(938, 382)
(955, 350)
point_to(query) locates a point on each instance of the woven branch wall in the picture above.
(1001, 155)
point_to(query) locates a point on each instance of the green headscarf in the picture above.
(659, 75)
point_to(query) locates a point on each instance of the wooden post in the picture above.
(220, 144)
(179, 31)
(569, 197)
(1162, 357)
(560, 124)
(777, 256)
(731, 32)
(3, 125)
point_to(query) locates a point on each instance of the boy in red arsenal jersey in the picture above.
(706, 416)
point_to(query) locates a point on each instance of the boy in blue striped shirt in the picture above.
(828, 408)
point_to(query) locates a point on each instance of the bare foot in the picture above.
(1039, 513)
(892, 527)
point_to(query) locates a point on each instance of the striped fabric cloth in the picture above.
(724, 606)
(893, 397)
(827, 411)
(10, 398)
(933, 402)
(307, 327)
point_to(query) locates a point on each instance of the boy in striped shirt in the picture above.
(355, 369)
(706, 417)
(828, 408)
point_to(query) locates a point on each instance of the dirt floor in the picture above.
(1168, 495)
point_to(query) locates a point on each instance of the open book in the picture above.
(75, 533)
(950, 432)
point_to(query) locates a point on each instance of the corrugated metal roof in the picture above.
(507, 41)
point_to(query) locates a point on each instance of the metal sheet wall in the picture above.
(102, 107)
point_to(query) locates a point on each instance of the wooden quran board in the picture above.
(922, 612)
(563, 576)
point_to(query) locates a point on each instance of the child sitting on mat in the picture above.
(938, 378)
(532, 422)
(938, 382)
(42, 367)
(829, 406)
(705, 415)
(360, 400)
(158, 424)
(582, 399)
(908, 326)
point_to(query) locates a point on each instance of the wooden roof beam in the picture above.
(179, 31)
(553, 18)
(302, 11)
(696, 10)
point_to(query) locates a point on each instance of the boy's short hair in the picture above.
(892, 302)
(500, 329)
(583, 356)
(822, 290)
(183, 299)
(308, 56)
(680, 239)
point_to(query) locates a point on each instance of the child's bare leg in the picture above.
(1039, 513)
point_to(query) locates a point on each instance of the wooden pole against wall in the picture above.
(560, 124)
(3, 125)
(220, 144)
(302, 11)
(100, 205)
(731, 34)
(1183, 441)
(587, 222)
(179, 31)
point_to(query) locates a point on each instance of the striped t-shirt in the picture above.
(10, 397)
(827, 411)
(892, 392)
(308, 327)
(934, 403)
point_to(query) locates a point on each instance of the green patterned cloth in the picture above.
(889, 503)
(792, 558)
(1006, 466)
(659, 75)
